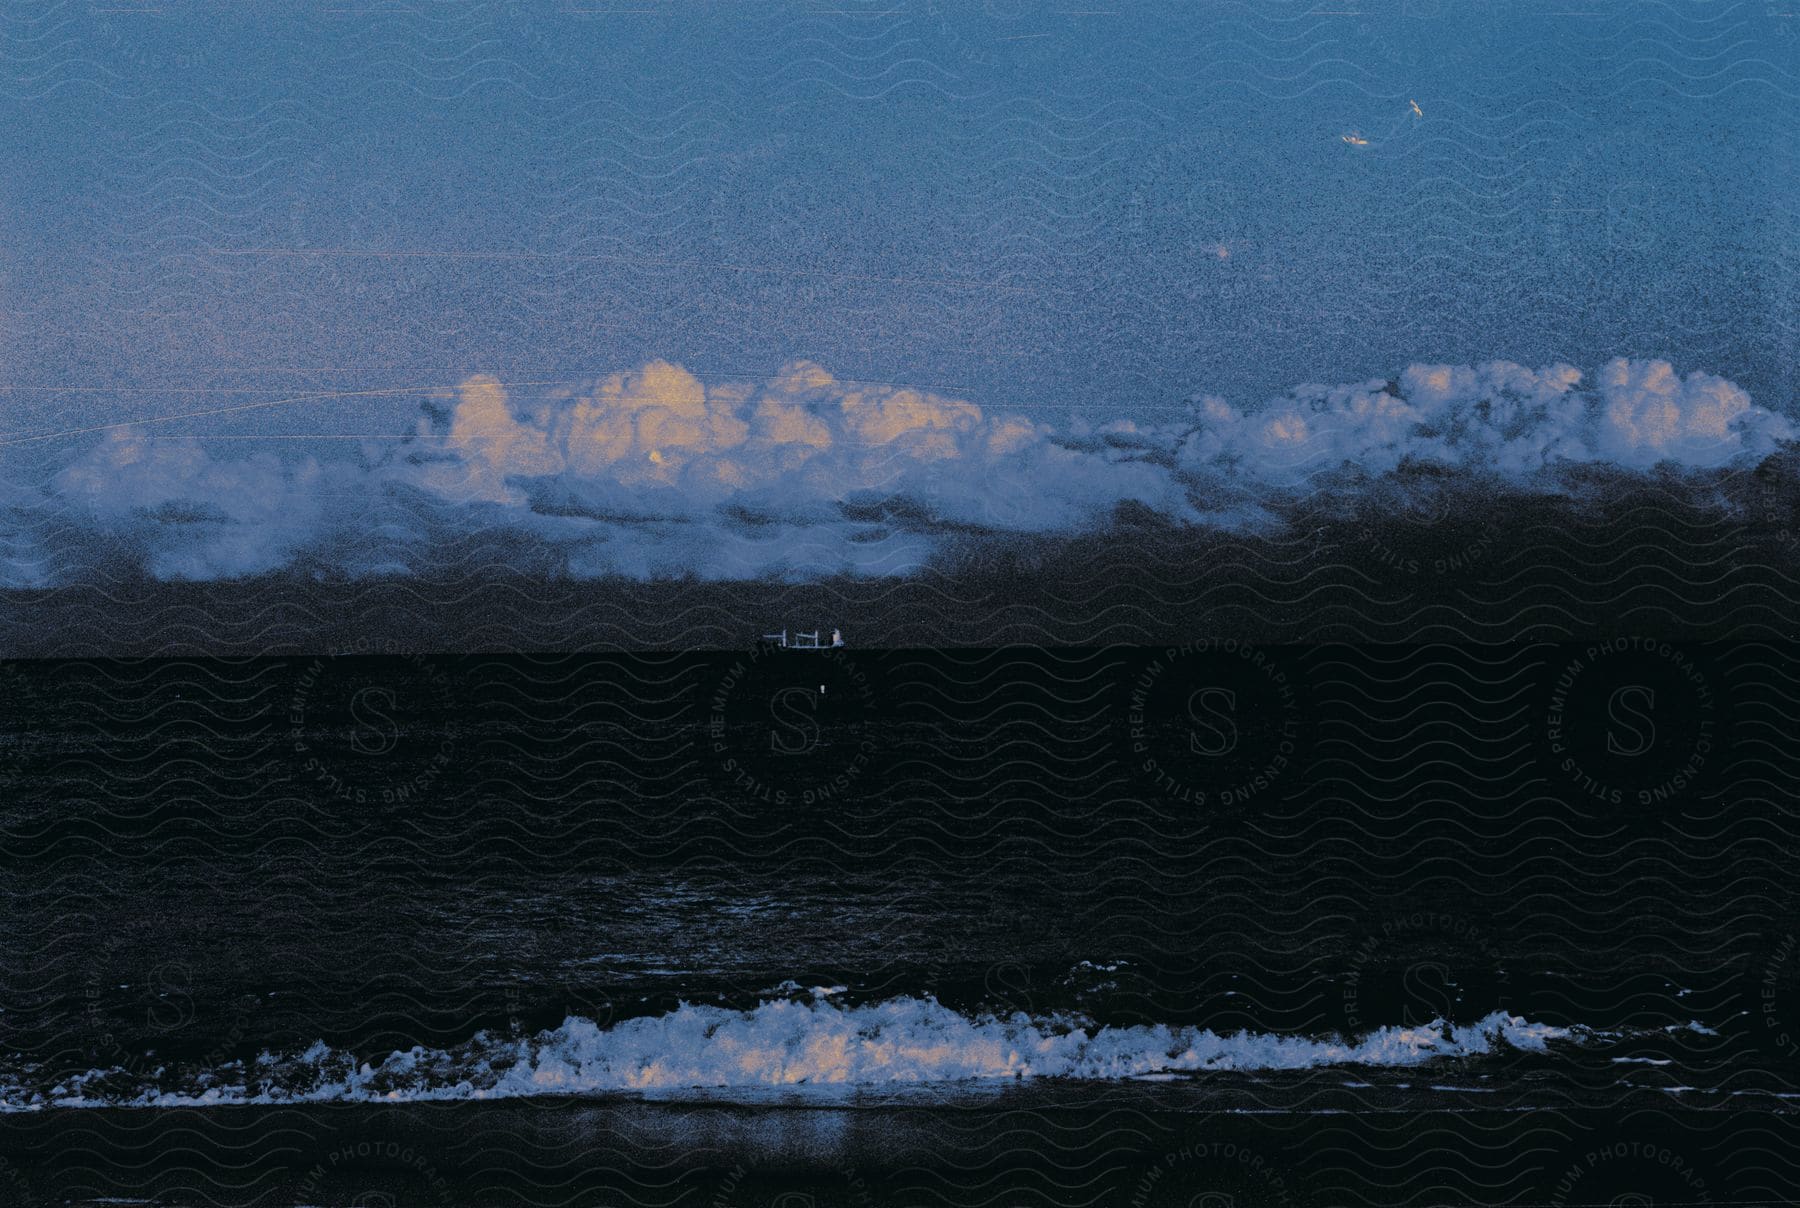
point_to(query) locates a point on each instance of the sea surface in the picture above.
(1266, 924)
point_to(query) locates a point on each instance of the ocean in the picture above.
(1219, 923)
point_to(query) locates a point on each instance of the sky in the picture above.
(280, 236)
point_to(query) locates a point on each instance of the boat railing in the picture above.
(805, 641)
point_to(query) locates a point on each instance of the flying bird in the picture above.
(1417, 112)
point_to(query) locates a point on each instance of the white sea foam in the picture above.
(785, 1044)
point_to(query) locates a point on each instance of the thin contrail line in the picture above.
(640, 261)
(310, 396)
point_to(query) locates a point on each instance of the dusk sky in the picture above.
(290, 225)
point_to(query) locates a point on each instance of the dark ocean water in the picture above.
(1284, 924)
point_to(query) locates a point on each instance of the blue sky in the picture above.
(1001, 198)
(1090, 209)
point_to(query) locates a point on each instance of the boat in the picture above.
(805, 641)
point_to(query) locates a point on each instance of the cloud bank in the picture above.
(654, 473)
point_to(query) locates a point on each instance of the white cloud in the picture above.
(195, 516)
(654, 472)
(1496, 419)
(803, 473)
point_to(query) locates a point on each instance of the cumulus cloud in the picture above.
(194, 515)
(657, 473)
(1496, 419)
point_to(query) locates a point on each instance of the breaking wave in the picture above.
(776, 1045)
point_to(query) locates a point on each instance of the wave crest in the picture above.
(784, 1044)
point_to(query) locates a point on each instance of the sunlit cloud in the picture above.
(654, 472)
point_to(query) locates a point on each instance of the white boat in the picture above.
(805, 641)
